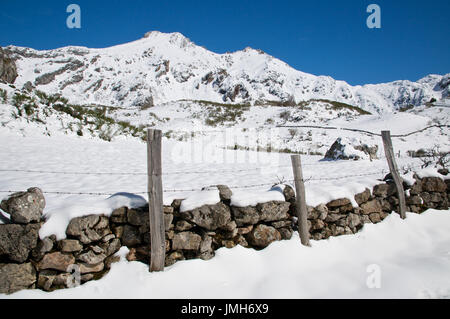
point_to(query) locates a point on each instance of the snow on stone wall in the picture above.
(29, 262)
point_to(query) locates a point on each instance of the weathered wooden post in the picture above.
(155, 201)
(300, 201)
(389, 151)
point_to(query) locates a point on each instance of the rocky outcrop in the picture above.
(210, 217)
(15, 277)
(8, 69)
(263, 235)
(17, 241)
(25, 207)
(342, 149)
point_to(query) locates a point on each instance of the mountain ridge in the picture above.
(164, 67)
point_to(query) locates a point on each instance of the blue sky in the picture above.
(317, 36)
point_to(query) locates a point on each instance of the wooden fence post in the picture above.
(300, 202)
(155, 201)
(389, 151)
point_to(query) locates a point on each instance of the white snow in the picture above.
(58, 219)
(85, 175)
(198, 199)
(412, 257)
(244, 198)
(125, 159)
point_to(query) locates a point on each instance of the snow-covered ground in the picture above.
(394, 259)
(80, 174)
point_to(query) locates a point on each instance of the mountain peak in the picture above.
(175, 38)
(163, 67)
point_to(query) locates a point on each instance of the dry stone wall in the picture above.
(28, 262)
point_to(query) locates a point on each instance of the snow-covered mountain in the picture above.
(161, 68)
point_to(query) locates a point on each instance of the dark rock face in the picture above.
(17, 241)
(25, 207)
(433, 184)
(362, 197)
(384, 190)
(57, 261)
(131, 236)
(338, 203)
(262, 236)
(273, 211)
(70, 245)
(245, 215)
(336, 151)
(89, 228)
(224, 192)
(210, 217)
(15, 277)
(186, 241)
(43, 247)
(8, 69)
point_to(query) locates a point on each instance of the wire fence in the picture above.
(363, 131)
(381, 173)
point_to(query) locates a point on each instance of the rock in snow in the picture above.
(25, 207)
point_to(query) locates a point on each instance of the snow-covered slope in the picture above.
(161, 67)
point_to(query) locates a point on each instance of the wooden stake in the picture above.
(155, 201)
(300, 202)
(389, 151)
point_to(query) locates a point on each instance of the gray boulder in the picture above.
(225, 192)
(373, 206)
(49, 280)
(262, 236)
(56, 261)
(88, 229)
(91, 258)
(369, 150)
(186, 241)
(384, 190)
(25, 207)
(363, 197)
(338, 203)
(43, 246)
(210, 217)
(8, 69)
(70, 245)
(343, 150)
(15, 277)
(119, 215)
(16, 241)
(138, 217)
(273, 211)
(131, 236)
(434, 184)
(245, 215)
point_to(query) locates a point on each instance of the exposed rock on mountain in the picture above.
(163, 67)
(8, 70)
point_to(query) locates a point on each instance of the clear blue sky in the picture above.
(322, 37)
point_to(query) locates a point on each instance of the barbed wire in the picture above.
(362, 131)
(183, 172)
(306, 180)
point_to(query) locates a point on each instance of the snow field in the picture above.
(411, 258)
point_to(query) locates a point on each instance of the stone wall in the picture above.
(28, 262)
